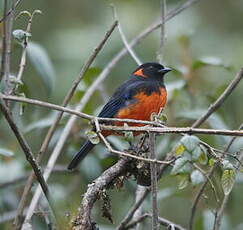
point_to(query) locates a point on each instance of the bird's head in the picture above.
(151, 70)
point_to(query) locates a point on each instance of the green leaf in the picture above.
(190, 142)
(181, 166)
(42, 63)
(163, 118)
(197, 177)
(227, 180)
(93, 137)
(179, 149)
(6, 152)
(211, 162)
(183, 181)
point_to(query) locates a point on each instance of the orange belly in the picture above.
(142, 109)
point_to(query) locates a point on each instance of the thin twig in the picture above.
(24, 51)
(159, 130)
(124, 154)
(10, 11)
(221, 99)
(167, 223)
(52, 129)
(209, 180)
(124, 39)
(162, 31)
(154, 185)
(6, 46)
(26, 149)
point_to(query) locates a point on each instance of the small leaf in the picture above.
(183, 181)
(227, 165)
(179, 149)
(6, 152)
(227, 180)
(163, 118)
(196, 153)
(190, 142)
(197, 177)
(21, 35)
(203, 159)
(128, 135)
(42, 63)
(211, 162)
(181, 166)
(93, 137)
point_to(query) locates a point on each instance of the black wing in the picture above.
(122, 97)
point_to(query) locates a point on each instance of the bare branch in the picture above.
(187, 130)
(83, 220)
(26, 149)
(6, 46)
(154, 185)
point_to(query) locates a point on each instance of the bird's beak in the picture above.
(165, 70)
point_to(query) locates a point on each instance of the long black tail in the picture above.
(80, 155)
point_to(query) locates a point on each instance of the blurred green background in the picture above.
(204, 46)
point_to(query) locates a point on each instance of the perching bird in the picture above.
(137, 98)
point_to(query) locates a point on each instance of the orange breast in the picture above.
(144, 107)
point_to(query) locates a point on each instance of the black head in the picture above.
(151, 70)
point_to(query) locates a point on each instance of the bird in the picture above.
(142, 94)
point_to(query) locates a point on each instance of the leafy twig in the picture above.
(203, 186)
